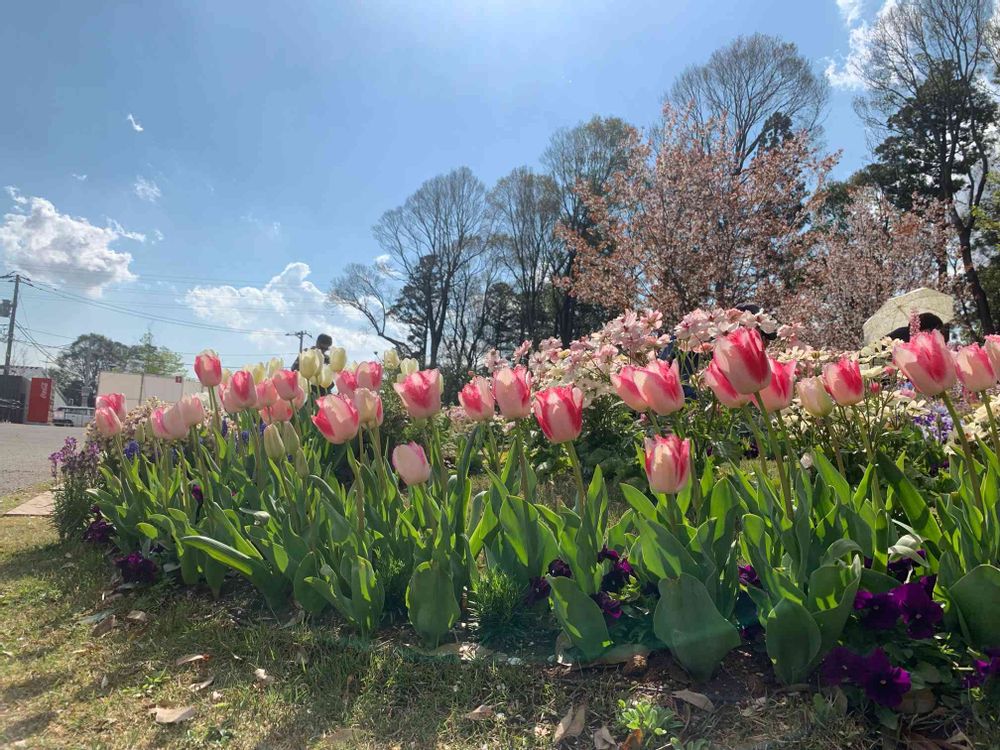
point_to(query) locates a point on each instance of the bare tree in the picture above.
(524, 208)
(367, 289)
(763, 87)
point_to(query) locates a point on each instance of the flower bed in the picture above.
(816, 504)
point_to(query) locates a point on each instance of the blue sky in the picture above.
(248, 148)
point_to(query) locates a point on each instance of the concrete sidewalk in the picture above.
(39, 505)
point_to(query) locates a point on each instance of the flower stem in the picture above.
(969, 458)
(578, 474)
(491, 444)
(786, 490)
(442, 469)
(993, 424)
(836, 445)
(522, 450)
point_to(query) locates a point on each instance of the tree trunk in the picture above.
(972, 278)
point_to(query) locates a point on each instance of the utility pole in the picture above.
(13, 319)
(301, 335)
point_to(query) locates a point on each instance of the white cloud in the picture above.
(60, 249)
(146, 189)
(135, 125)
(850, 10)
(121, 231)
(79, 177)
(157, 236)
(845, 72)
(288, 302)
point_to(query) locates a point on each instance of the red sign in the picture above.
(39, 400)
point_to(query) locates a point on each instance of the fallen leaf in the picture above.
(918, 702)
(173, 715)
(633, 741)
(216, 696)
(199, 686)
(481, 713)
(137, 616)
(603, 740)
(621, 654)
(343, 738)
(263, 677)
(96, 617)
(572, 724)
(190, 659)
(464, 651)
(104, 682)
(104, 627)
(698, 700)
(295, 619)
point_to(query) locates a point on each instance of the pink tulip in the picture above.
(410, 462)
(228, 402)
(512, 391)
(476, 398)
(107, 422)
(777, 395)
(927, 363)
(173, 422)
(193, 410)
(660, 387)
(242, 390)
(843, 381)
(279, 411)
(285, 382)
(337, 419)
(992, 347)
(156, 423)
(208, 368)
(626, 388)
(974, 368)
(420, 393)
(369, 406)
(742, 359)
(299, 397)
(668, 463)
(346, 382)
(716, 380)
(559, 411)
(113, 401)
(814, 397)
(369, 375)
(267, 394)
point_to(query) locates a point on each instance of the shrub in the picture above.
(77, 471)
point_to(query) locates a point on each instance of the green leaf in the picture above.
(831, 599)
(977, 597)
(916, 509)
(431, 603)
(580, 617)
(688, 622)
(223, 553)
(147, 530)
(793, 641)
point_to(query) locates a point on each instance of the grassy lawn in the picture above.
(62, 685)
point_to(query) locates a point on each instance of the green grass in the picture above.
(60, 687)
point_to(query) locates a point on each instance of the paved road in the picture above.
(24, 453)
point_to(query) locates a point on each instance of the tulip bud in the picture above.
(113, 401)
(301, 465)
(310, 362)
(326, 377)
(512, 391)
(476, 399)
(668, 463)
(625, 386)
(274, 365)
(660, 387)
(814, 398)
(107, 422)
(369, 406)
(421, 393)
(410, 462)
(407, 367)
(289, 436)
(742, 359)
(559, 411)
(273, 445)
(259, 372)
(336, 419)
(777, 394)
(843, 382)
(338, 358)
(193, 410)
(390, 358)
(927, 363)
(369, 375)
(208, 368)
(974, 368)
(719, 384)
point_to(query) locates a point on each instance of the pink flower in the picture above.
(742, 359)
(279, 411)
(843, 381)
(717, 381)
(410, 462)
(267, 393)
(285, 383)
(208, 368)
(193, 410)
(668, 463)
(626, 388)
(369, 375)
(660, 386)
(420, 393)
(346, 382)
(992, 347)
(156, 423)
(476, 398)
(242, 391)
(814, 397)
(777, 395)
(512, 391)
(107, 422)
(369, 406)
(113, 401)
(974, 368)
(926, 362)
(168, 422)
(299, 397)
(559, 411)
(337, 419)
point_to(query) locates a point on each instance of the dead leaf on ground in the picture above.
(173, 715)
(96, 617)
(137, 616)
(104, 682)
(191, 658)
(263, 677)
(464, 651)
(199, 686)
(104, 627)
(342, 738)
(620, 654)
(698, 700)
(481, 713)
(216, 696)
(572, 724)
(633, 741)
(603, 740)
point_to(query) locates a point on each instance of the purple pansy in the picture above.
(539, 590)
(882, 682)
(607, 554)
(748, 576)
(880, 610)
(136, 569)
(99, 532)
(610, 606)
(842, 665)
(918, 610)
(616, 578)
(560, 568)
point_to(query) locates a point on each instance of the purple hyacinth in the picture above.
(842, 665)
(224, 426)
(880, 610)
(539, 590)
(610, 606)
(882, 682)
(131, 450)
(918, 610)
(748, 576)
(560, 568)
(136, 569)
